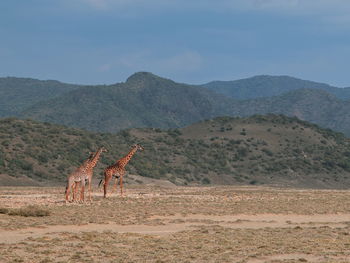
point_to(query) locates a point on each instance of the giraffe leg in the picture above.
(74, 191)
(115, 184)
(121, 185)
(121, 182)
(67, 193)
(82, 198)
(82, 192)
(89, 188)
(105, 185)
(68, 189)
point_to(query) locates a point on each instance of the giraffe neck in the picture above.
(84, 165)
(95, 159)
(124, 161)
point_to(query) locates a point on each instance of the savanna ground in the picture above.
(178, 224)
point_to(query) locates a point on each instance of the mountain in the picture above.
(144, 100)
(271, 149)
(16, 94)
(267, 86)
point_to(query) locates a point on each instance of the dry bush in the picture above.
(31, 210)
(4, 210)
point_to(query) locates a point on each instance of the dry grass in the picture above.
(212, 224)
(203, 244)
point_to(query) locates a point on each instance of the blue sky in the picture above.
(191, 41)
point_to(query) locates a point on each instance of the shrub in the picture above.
(205, 180)
(253, 182)
(242, 152)
(267, 151)
(42, 158)
(6, 143)
(4, 210)
(31, 210)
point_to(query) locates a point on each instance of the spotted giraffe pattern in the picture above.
(118, 170)
(78, 176)
(90, 168)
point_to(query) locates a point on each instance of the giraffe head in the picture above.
(91, 154)
(103, 149)
(138, 147)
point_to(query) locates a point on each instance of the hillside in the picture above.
(16, 94)
(267, 86)
(268, 149)
(312, 105)
(144, 100)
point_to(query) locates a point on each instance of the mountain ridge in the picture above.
(256, 87)
(144, 100)
(147, 100)
(16, 94)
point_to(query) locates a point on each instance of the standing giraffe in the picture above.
(90, 168)
(118, 170)
(78, 176)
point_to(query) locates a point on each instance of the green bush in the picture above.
(267, 151)
(205, 180)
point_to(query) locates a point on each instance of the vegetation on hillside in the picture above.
(146, 100)
(316, 106)
(268, 86)
(16, 94)
(270, 149)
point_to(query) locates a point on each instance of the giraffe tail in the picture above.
(65, 192)
(99, 184)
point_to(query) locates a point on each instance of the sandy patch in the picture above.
(178, 223)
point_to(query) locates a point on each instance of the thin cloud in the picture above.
(186, 61)
(99, 4)
(310, 6)
(104, 68)
(326, 10)
(123, 5)
(108, 4)
(302, 6)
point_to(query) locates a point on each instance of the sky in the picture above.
(188, 41)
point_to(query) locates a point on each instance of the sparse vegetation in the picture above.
(147, 100)
(48, 153)
(267, 86)
(194, 224)
(16, 94)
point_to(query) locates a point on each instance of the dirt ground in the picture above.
(177, 224)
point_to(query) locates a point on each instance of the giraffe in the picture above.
(118, 170)
(78, 176)
(90, 168)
